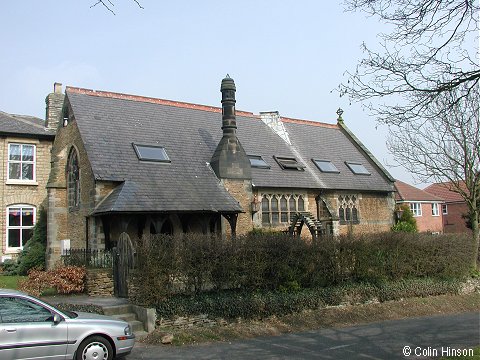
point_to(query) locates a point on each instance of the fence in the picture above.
(90, 258)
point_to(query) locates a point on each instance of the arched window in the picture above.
(73, 180)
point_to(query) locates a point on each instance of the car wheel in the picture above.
(95, 348)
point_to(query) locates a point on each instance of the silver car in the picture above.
(32, 329)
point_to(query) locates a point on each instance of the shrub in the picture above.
(10, 267)
(259, 304)
(33, 253)
(65, 279)
(407, 222)
(276, 262)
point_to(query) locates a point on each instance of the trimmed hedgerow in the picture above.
(264, 262)
(259, 304)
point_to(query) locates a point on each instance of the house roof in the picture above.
(24, 126)
(109, 123)
(406, 192)
(442, 190)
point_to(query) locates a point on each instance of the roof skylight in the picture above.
(151, 153)
(288, 163)
(257, 161)
(325, 166)
(357, 168)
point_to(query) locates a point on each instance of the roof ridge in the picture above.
(309, 122)
(181, 104)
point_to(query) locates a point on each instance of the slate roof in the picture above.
(406, 192)
(24, 126)
(109, 123)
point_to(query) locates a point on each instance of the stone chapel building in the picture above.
(127, 163)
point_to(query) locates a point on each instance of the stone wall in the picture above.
(241, 190)
(99, 282)
(65, 222)
(375, 209)
(13, 192)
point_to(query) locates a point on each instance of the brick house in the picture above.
(125, 163)
(25, 144)
(426, 208)
(453, 209)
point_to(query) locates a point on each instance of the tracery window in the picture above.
(73, 180)
(348, 209)
(279, 208)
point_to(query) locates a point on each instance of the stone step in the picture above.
(137, 326)
(126, 317)
(117, 309)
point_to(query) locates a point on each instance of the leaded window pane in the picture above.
(355, 214)
(301, 204)
(291, 204)
(274, 204)
(348, 214)
(275, 218)
(73, 177)
(341, 214)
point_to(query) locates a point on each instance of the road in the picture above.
(424, 336)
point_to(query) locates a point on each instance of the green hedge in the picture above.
(258, 304)
(192, 264)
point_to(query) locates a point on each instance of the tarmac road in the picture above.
(425, 338)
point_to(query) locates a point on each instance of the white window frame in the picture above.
(416, 209)
(34, 162)
(444, 209)
(435, 210)
(19, 207)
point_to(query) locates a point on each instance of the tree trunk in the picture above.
(476, 238)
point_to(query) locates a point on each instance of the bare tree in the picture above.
(423, 82)
(429, 51)
(109, 4)
(446, 149)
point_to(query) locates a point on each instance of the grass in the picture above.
(339, 316)
(10, 281)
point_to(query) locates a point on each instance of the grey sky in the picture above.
(284, 55)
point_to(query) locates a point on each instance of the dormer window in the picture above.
(325, 166)
(289, 163)
(256, 161)
(357, 168)
(151, 153)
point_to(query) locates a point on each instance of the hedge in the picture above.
(193, 264)
(259, 304)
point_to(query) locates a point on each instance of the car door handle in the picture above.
(10, 330)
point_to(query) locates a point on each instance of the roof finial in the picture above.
(339, 113)
(228, 76)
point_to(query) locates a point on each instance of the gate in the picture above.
(123, 262)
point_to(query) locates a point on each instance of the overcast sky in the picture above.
(283, 55)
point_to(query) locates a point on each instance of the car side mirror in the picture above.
(57, 319)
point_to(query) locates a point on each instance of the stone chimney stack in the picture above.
(229, 161)
(54, 106)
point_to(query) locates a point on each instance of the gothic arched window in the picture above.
(73, 180)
